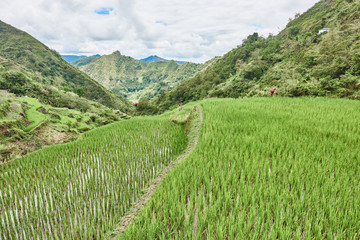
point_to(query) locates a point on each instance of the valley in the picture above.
(259, 143)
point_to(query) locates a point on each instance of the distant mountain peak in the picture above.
(155, 58)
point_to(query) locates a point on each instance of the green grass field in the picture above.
(81, 189)
(263, 169)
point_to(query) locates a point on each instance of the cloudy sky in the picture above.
(193, 30)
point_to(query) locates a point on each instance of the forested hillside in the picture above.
(300, 60)
(136, 79)
(43, 99)
(29, 67)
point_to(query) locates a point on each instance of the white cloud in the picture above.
(194, 30)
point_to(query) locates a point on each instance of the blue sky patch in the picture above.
(104, 11)
(162, 23)
(258, 27)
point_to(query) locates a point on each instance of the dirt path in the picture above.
(126, 220)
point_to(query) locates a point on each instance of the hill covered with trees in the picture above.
(134, 79)
(30, 68)
(301, 60)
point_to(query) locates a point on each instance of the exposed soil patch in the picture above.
(55, 116)
(3, 128)
(23, 145)
(43, 111)
(51, 136)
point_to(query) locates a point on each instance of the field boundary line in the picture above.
(194, 133)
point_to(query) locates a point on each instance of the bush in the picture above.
(146, 108)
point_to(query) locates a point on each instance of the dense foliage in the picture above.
(264, 168)
(299, 61)
(80, 190)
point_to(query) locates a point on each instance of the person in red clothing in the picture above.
(136, 103)
(272, 92)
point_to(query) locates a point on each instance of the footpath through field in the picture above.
(136, 209)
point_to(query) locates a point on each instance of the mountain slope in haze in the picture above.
(136, 79)
(299, 61)
(47, 70)
(73, 58)
(155, 58)
(84, 61)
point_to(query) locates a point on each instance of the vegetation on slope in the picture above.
(137, 80)
(73, 58)
(84, 61)
(276, 168)
(19, 52)
(299, 61)
(27, 125)
(82, 189)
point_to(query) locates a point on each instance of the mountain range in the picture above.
(135, 79)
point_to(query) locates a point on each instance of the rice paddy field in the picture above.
(263, 168)
(80, 190)
(268, 168)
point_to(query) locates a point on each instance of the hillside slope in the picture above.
(22, 52)
(298, 61)
(136, 79)
(27, 124)
(73, 58)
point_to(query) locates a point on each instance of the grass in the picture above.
(32, 114)
(26, 124)
(81, 189)
(273, 168)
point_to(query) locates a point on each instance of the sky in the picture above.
(190, 30)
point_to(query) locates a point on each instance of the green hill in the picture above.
(43, 99)
(298, 61)
(38, 71)
(84, 61)
(136, 79)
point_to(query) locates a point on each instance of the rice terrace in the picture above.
(277, 168)
(224, 120)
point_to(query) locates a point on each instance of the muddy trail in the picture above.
(127, 219)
